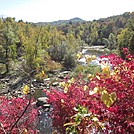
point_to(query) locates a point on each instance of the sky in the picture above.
(53, 10)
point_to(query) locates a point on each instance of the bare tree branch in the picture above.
(30, 97)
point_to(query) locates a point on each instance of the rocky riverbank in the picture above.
(14, 85)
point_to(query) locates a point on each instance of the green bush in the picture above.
(69, 61)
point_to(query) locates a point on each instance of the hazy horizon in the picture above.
(54, 10)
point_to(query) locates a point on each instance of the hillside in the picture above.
(61, 22)
(60, 40)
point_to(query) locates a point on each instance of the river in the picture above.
(95, 50)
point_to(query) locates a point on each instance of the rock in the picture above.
(55, 84)
(32, 86)
(32, 90)
(34, 80)
(7, 80)
(61, 76)
(42, 84)
(65, 72)
(41, 101)
(41, 88)
(47, 87)
(46, 106)
(4, 91)
(47, 79)
(17, 82)
(19, 92)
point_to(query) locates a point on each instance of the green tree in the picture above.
(56, 44)
(35, 45)
(106, 42)
(123, 40)
(8, 40)
(131, 43)
(112, 40)
(94, 33)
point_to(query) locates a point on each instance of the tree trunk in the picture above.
(7, 61)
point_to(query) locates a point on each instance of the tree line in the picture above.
(114, 32)
(46, 47)
(35, 47)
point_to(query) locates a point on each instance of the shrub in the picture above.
(10, 111)
(85, 70)
(69, 60)
(107, 97)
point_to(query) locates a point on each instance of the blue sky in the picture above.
(52, 10)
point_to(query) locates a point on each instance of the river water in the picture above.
(89, 51)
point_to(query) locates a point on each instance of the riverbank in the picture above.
(15, 83)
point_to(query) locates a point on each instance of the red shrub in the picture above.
(10, 110)
(112, 103)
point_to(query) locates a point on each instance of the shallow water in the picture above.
(92, 52)
(45, 122)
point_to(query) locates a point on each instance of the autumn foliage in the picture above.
(103, 104)
(10, 111)
(100, 103)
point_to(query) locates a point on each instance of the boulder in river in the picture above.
(41, 101)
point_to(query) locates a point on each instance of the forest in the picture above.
(28, 44)
(90, 99)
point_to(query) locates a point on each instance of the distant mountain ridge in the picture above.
(59, 22)
(126, 15)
